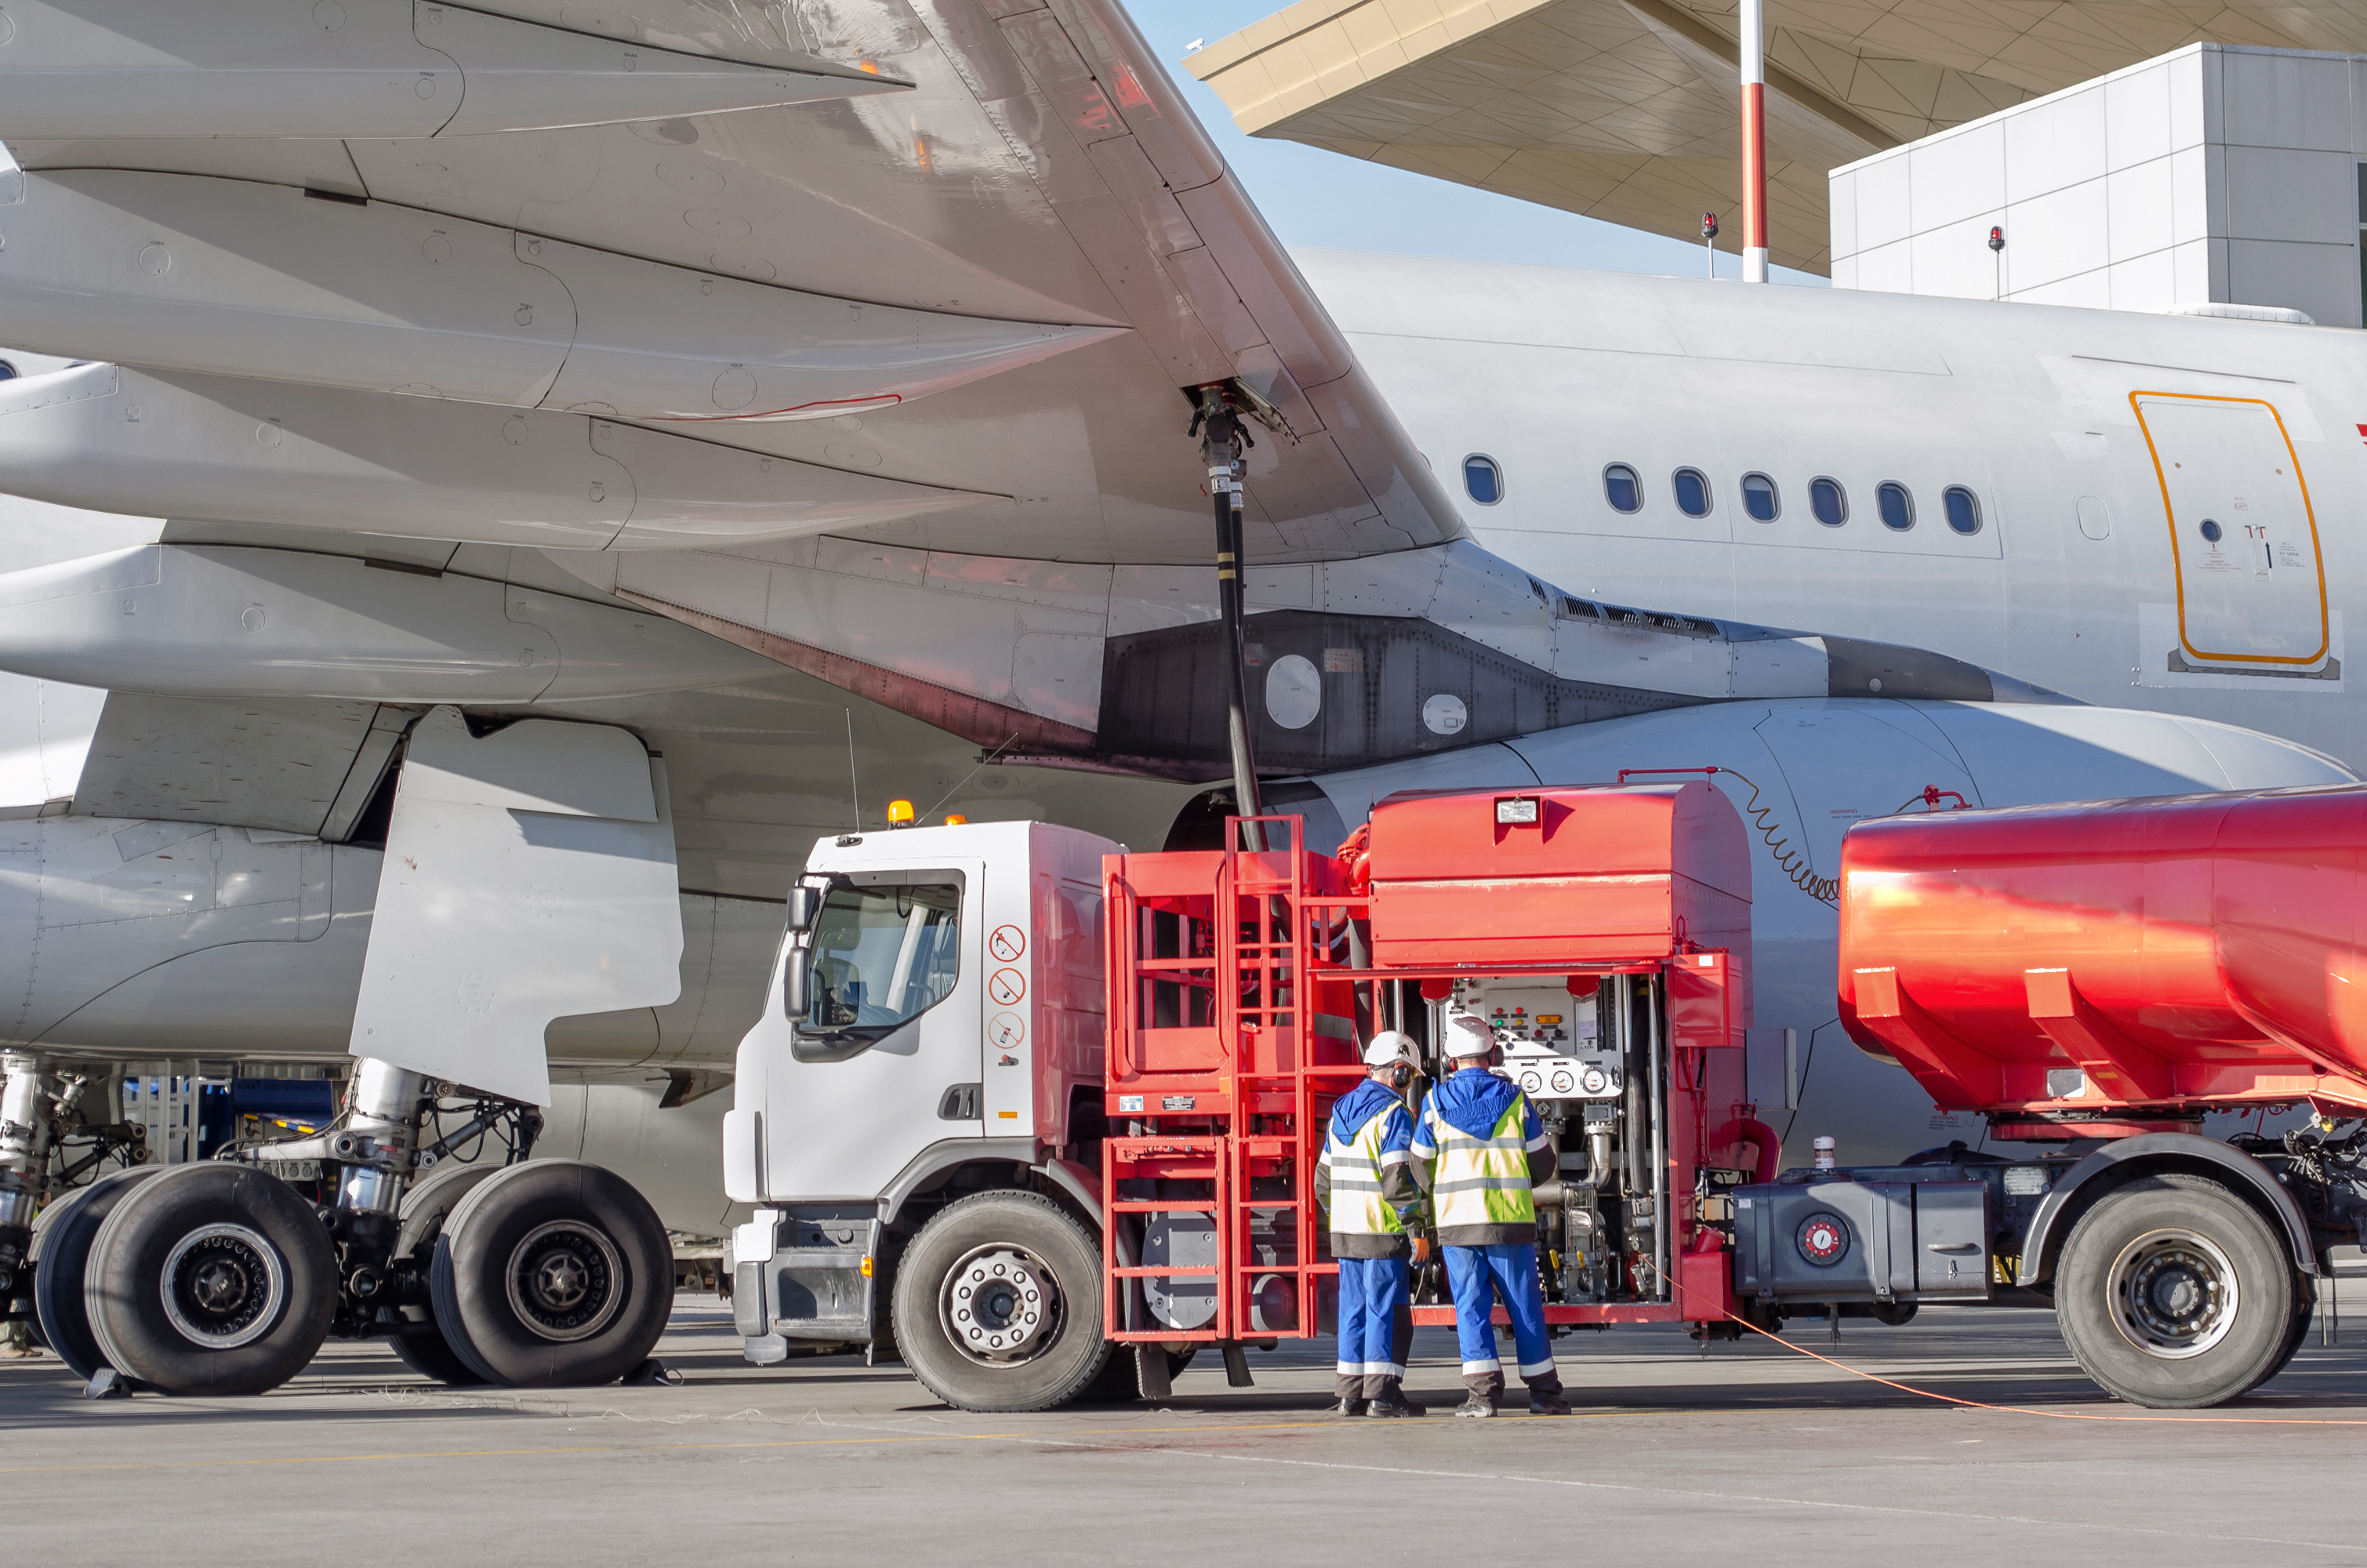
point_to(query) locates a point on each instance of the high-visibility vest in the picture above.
(1357, 1205)
(1483, 1181)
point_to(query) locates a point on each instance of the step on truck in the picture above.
(1039, 1116)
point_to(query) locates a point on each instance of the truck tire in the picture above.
(998, 1304)
(212, 1279)
(2174, 1295)
(553, 1274)
(422, 1346)
(61, 1238)
(2305, 1310)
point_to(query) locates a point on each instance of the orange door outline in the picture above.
(2178, 563)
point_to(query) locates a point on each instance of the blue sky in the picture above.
(1322, 199)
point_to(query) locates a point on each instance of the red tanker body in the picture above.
(2131, 961)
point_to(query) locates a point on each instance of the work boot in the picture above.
(1548, 1405)
(1348, 1407)
(1477, 1407)
(1391, 1408)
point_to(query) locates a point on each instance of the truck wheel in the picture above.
(61, 1238)
(553, 1274)
(998, 1304)
(422, 1347)
(2174, 1293)
(2304, 1309)
(210, 1280)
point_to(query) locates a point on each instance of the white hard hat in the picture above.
(1388, 1049)
(1467, 1035)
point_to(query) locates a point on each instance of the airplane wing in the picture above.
(1012, 250)
(861, 338)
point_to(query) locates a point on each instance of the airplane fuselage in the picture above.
(2148, 512)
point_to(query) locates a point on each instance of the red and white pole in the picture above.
(1754, 141)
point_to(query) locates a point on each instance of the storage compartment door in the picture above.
(1952, 1240)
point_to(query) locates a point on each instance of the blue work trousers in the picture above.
(1477, 1276)
(1376, 1327)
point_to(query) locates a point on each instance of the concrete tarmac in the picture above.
(1750, 1455)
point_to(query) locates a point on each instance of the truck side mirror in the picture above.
(797, 976)
(805, 907)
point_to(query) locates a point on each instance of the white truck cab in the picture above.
(931, 1046)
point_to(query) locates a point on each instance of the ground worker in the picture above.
(1488, 1150)
(1364, 1179)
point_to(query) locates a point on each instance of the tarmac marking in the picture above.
(1210, 1431)
(1709, 1496)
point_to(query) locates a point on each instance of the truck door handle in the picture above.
(1954, 1246)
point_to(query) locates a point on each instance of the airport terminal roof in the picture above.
(1626, 109)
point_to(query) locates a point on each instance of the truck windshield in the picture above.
(882, 955)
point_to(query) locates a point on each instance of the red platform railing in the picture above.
(1233, 1110)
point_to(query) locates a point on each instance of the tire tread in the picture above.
(906, 1304)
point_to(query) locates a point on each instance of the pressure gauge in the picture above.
(1594, 1080)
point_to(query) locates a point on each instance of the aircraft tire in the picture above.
(983, 1256)
(213, 1279)
(425, 1209)
(2174, 1293)
(553, 1274)
(61, 1238)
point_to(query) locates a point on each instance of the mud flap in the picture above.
(529, 876)
(1150, 1372)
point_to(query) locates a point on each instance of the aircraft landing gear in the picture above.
(211, 1278)
(553, 1275)
(221, 1279)
(61, 1243)
(24, 1150)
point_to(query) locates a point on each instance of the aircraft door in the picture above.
(2251, 584)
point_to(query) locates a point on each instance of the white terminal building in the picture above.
(2214, 176)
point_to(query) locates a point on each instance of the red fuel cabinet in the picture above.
(1604, 933)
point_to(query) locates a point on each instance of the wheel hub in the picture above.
(566, 1281)
(223, 1286)
(2173, 1294)
(1000, 1305)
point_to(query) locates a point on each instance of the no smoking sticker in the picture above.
(1004, 987)
(1008, 945)
(1005, 1031)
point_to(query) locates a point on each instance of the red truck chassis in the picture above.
(2093, 978)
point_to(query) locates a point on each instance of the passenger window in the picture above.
(1759, 497)
(1898, 507)
(881, 956)
(1620, 487)
(1964, 510)
(1693, 492)
(1483, 479)
(1828, 502)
